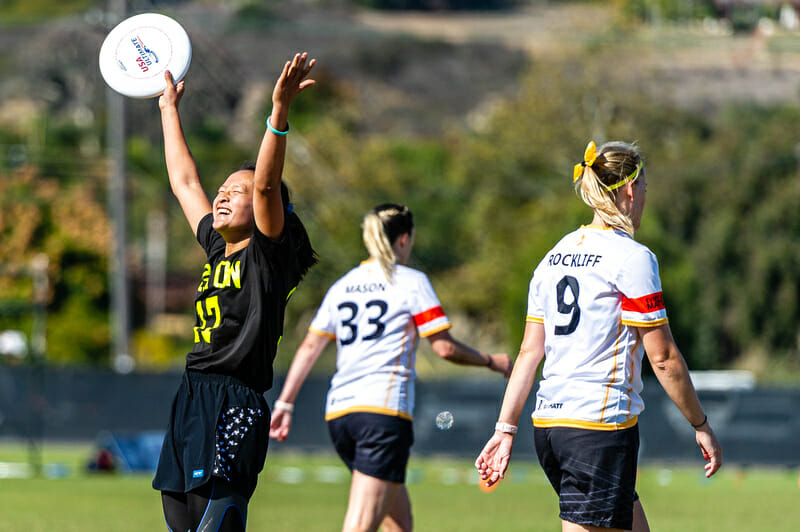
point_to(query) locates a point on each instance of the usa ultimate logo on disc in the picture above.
(139, 49)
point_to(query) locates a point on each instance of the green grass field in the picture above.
(309, 493)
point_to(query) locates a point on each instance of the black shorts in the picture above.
(593, 472)
(218, 427)
(373, 444)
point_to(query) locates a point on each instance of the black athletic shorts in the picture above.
(593, 472)
(376, 445)
(218, 427)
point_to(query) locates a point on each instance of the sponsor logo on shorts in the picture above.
(198, 473)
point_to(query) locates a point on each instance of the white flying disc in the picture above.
(139, 49)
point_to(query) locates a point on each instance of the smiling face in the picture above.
(233, 206)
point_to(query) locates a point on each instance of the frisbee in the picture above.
(139, 49)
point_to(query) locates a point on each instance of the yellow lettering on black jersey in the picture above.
(204, 314)
(227, 274)
(204, 280)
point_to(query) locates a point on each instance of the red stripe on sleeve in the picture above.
(427, 316)
(644, 304)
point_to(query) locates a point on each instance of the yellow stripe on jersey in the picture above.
(545, 423)
(534, 319)
(322, 333)
(610, 384)
(436, 330)
(369, 410)
(655, 323)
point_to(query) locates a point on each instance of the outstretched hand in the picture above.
(493, 460)
(172, 93)
(293, 80)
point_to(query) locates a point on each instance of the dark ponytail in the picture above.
(306, 256)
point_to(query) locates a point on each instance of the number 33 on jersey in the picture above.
(377, 325)
(209, 315)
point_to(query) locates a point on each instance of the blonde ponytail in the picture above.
(378, 245)
(615, 164)
(381, 227)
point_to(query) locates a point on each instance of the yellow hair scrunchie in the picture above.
(589, 157)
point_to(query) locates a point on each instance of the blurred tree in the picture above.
(438, 5)
(36, 10)
(666, 10)
(66, 222)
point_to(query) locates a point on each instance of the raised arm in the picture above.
(267, 203)
(304, 359)
(673, 374)
(454, 351)
(182, 171)
(493, 460)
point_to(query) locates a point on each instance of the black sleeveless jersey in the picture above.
(240, 305)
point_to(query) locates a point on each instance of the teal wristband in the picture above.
(275, 131)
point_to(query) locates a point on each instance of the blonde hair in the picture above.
(381, 227)
(615, 163)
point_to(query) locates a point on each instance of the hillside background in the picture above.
(472, 113)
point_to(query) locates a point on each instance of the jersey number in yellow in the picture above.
(210, 316)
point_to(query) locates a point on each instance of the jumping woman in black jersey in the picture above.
(258, 251)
